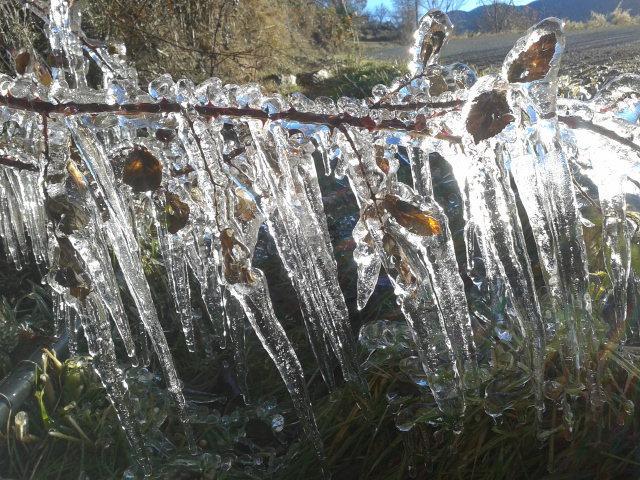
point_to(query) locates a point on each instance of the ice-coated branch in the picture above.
(17, 164)
(132, 109)
(576, 122)
(338, 121)
(209, 165)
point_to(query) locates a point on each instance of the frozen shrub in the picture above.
(622, 17)
(597, 20)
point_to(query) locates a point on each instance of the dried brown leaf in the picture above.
(142, 171)
(235, 269)
(489, 115)
(535, 62)
(381, 161)
(431, 46)
(176, 213)
(245, 208)
(22, 60)
(411, 217)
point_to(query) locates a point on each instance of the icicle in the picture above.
(368, 262)
(545, 182)
(65, 319)
(65, 42)
(249, 287)
(256, 303)
(102, 350)
(235, 318)
(207, 176)
(173, 254)
(12, 227)
(492, 215)
(72, 327)
(120, 234)
(609, 164)
(208, 204)
(233, 207)
(23, 195)
(74, 213)
(291, 198)
(398, 227)
(199, 257)
(441, 261)
(26, 188)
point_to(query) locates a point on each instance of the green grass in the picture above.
(76, 431)
(356, 78)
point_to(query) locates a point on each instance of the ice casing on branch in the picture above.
(540, 165)
(208, 165)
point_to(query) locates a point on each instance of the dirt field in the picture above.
(610, 45)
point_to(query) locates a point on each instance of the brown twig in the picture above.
(338, 121)
(132, 109)
(586, 195)
(575, 122)
(17, 164)
(416, 106)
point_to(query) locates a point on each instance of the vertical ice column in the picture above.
(172, 247)
(74, 216)
(119, 231)
(614, 169)
(493, 220)
(545, 183)
(442, 263)
(249, 287)
(291, 198)
(395, 229)
(65, 42)
(102, 350)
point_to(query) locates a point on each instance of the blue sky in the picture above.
(470, 4)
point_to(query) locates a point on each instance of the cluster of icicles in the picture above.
(87, 170)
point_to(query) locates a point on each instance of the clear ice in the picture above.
(201, 168)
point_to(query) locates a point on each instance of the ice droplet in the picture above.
(277, 423)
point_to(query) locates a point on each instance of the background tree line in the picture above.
(496, 16)
(240, 40)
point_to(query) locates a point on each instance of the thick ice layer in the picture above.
(291, 198)
(541, 170)
(199, 170)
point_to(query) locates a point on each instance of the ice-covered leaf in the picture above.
(411, 217)
(141, 170)
(176, 212)
(535, 62)
(489, 115)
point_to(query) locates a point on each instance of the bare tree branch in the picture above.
(17, 164)
(332, 121)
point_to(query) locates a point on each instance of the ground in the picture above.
(584, 47)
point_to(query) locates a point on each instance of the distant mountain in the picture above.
(576, 10)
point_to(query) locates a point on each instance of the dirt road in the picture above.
(593, 46)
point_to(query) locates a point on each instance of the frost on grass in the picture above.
(87, 170)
